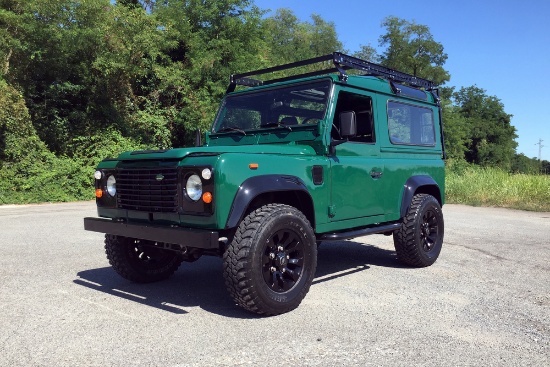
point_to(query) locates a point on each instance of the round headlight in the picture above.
(98, 175)
(111, 185)
(193, 187)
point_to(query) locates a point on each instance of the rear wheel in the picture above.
(271, 262)
(419, 240)
(140, 261)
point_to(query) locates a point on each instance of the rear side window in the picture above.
(410, 124)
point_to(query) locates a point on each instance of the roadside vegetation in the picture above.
(489, 186)
(84, 80)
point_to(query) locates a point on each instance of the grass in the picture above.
(480, 186)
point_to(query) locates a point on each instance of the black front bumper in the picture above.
(199, 238)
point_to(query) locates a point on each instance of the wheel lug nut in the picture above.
(272, 256)
(273, 269)
(280, 248)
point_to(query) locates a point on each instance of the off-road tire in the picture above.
(271, 261)
(138, 263)
(419, 240)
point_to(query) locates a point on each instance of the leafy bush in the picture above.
(30, 173)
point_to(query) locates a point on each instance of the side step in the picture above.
(339, 236)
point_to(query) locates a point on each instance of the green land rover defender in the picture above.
(349, 149)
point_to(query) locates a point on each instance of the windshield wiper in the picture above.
(278, 124)
(231, 128)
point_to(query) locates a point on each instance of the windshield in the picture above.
(287, 107)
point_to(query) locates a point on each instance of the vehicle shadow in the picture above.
(201, 284)
(336, 259)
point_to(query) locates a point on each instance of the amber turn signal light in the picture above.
(98, 193)
(207, 197)
(253, 166)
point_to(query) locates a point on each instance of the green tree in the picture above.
(211, 40)
(290, 39)
(368, 53)
(47, 65)
(17, 135)
(456, 131)
(492, 135)
(131, 3)
(82, 67)
(523, 164)
(410, 47)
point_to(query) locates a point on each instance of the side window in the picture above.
(410, 124)
(362, 106)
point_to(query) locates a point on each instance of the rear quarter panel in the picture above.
(404, 161)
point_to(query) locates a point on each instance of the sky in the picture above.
(502, 46)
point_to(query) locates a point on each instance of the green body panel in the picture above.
(362, 183)
(354, 191)
(268, 164)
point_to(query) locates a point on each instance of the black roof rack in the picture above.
(341, 63)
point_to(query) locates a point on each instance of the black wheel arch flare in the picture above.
(418, 184)
(252, 187)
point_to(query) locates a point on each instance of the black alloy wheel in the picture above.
(429, 230)
(283, 260)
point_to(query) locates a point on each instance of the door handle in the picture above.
(375, 174)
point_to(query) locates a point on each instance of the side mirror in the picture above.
(198, 138)
(348, 129)
(348, 124)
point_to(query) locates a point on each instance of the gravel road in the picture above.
(485, 302)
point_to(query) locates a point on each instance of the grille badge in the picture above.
(159, 177)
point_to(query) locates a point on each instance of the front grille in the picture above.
(148, 189)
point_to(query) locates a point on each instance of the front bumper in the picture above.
(198, 238)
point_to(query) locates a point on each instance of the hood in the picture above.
(180, 153)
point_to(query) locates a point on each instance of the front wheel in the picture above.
(139, 260)
(419, 240)
(270, 264)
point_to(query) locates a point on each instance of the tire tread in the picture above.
(237, 264)
(404, 239)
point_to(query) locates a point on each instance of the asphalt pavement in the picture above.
(485, 302)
